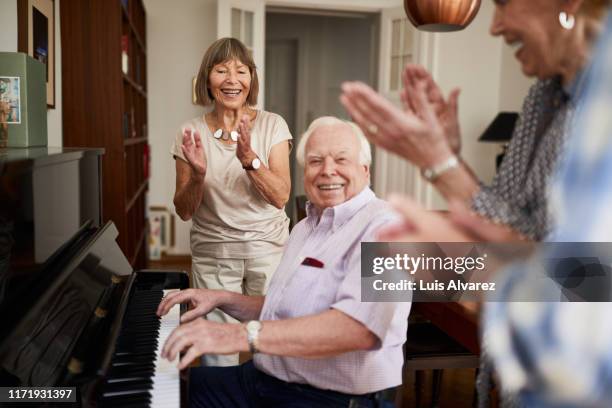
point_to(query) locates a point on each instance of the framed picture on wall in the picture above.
(194, 98)
(161, 231)
(36, 37)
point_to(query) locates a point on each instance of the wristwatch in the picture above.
(432, 173)
(255, 164)
(252, 328)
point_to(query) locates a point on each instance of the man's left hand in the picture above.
(202, 336)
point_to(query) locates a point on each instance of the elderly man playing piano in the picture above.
(314, 342)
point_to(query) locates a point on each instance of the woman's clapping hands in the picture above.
(425, 133)
(193, 151)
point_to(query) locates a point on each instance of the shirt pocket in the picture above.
(309, 291)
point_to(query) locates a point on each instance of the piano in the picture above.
(73, 312)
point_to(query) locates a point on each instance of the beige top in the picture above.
(233, 219)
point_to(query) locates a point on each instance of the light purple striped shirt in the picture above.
(298, 290)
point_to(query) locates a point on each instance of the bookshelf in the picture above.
(104, 90)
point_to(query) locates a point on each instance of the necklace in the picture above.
(225, 135)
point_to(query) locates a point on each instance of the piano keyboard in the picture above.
(166, 381)
(139, 377)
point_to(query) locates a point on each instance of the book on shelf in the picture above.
(125, 59)
(126, 125)
(137, 70)
(133, 122)
(145, 161)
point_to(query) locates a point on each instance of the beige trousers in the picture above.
(246, 276)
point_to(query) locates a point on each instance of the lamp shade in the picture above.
(501, 129)
(441, 15)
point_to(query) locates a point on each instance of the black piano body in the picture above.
(71, 306)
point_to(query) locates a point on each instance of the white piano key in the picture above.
(166, 381)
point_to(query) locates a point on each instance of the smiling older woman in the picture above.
(553, 41)
(232, 180)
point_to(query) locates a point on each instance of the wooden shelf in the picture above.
(134, 85)
(140, 190)
(139, 245)
(140, 42)
(93, 35)
(127, 17)
(134, 140)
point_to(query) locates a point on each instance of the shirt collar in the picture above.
(341, 212)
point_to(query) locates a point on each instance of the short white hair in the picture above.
(365, 152)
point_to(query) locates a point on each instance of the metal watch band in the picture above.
(432, 173)
(253, 327)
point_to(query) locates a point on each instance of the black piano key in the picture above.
(134, 357)
(136, 391)
(120, 387)
(133, 364)
(126, 379)
(131, 405)
(130, 371)
(142, 396)
(137, 353)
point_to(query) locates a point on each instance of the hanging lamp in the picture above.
(441, 15)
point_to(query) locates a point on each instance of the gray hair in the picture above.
(365, 153)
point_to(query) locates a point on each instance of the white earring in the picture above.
(567, 20)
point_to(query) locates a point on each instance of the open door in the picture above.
(245, 20)
(400, 43)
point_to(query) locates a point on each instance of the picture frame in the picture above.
(161, 231)
(36, 37)
(194, 97)
(10, 93)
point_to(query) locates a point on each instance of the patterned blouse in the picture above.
(518, 195)
(520, 192)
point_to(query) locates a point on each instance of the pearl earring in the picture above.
(567, 20)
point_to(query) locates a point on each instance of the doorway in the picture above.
(309, 53)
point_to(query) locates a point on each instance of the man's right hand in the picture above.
(201, 302)
(194, 152)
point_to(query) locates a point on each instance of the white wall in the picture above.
(8, 43)
(513, 84)
(471, 60)
(8, 26)
(330, 50)
(54, 116)
(178, 34)
(355, 5)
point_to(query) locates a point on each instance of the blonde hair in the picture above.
(225, 49)
(365, 153)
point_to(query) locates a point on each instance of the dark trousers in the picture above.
(246, 386)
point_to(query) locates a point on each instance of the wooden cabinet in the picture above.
(104, 92)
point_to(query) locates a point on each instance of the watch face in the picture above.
(253, 325)
(256, 163)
